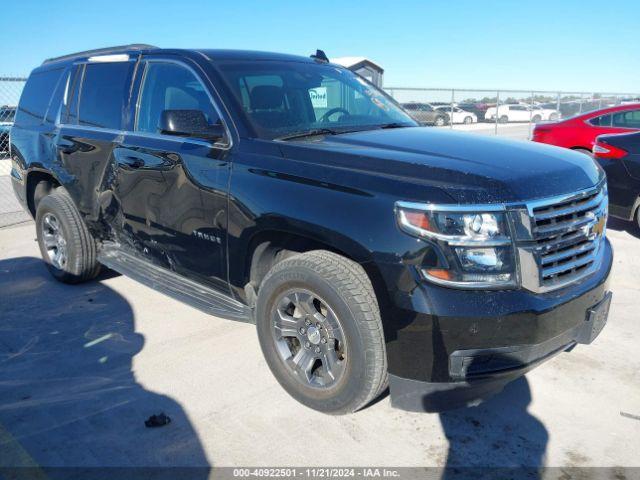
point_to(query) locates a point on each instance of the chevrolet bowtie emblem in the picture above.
(598, 228)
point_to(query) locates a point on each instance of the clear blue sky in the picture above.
(542, 44)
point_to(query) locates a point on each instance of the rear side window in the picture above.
(601, 121)
(630, 119)
(168, 86)
(36, 96)
(103, 95)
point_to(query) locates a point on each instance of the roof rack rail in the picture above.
(101, 51)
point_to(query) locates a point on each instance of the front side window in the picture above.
(102, 99)
(287, 98)
(169, 86)
(629, 119)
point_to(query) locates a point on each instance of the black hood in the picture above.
(471, 168)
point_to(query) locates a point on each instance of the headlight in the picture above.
(474, 246)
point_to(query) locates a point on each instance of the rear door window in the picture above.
(629, 119)
(36, 96)
(104, 92)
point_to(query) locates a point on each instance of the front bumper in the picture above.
(453, 347)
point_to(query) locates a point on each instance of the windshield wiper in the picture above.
(394, 125)
(309, 133)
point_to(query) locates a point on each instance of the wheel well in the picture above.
(39, 184)
(270, 248)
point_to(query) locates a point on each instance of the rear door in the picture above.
(91, 122)
(172, 190)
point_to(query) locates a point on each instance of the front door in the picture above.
(172, 190)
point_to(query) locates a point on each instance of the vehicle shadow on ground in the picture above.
(499, 434)
(620, 225)
(68, 395)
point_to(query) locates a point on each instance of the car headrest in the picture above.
(266, 97)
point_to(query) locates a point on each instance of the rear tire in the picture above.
(440, 122)
(468, 120)
(536, 119)
(320, 331)
(66, 245)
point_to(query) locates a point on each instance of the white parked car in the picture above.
(459, 115)
(547, 113)
(521, 113)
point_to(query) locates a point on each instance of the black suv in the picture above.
(292, 193)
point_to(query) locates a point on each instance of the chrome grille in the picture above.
(568, 234)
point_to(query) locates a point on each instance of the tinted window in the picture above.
(54, 105)
(601, 121)
(630, 119)
(104, 90)
(35, 97)
(168, 86)
(70, 108)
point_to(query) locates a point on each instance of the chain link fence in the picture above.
(511, 113)
(11, 212)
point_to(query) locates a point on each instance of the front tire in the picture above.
(503, 119)
(66, 245)
(440, 121)
(320, 331)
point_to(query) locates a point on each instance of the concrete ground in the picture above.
(82, 367)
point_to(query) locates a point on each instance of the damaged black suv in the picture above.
(291, 193)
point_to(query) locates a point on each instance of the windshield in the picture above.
(282, 99)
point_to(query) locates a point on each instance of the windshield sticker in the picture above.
(318, 97)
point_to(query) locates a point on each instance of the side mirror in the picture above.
(189, 123)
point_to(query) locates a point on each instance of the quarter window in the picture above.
(104, 93)
(601, 121)
(36, 95)
(169, 86)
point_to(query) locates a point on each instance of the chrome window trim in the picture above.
(146, 61)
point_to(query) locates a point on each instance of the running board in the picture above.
(203, 298)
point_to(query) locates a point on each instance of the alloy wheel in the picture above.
(54, 241)
(309, 338)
